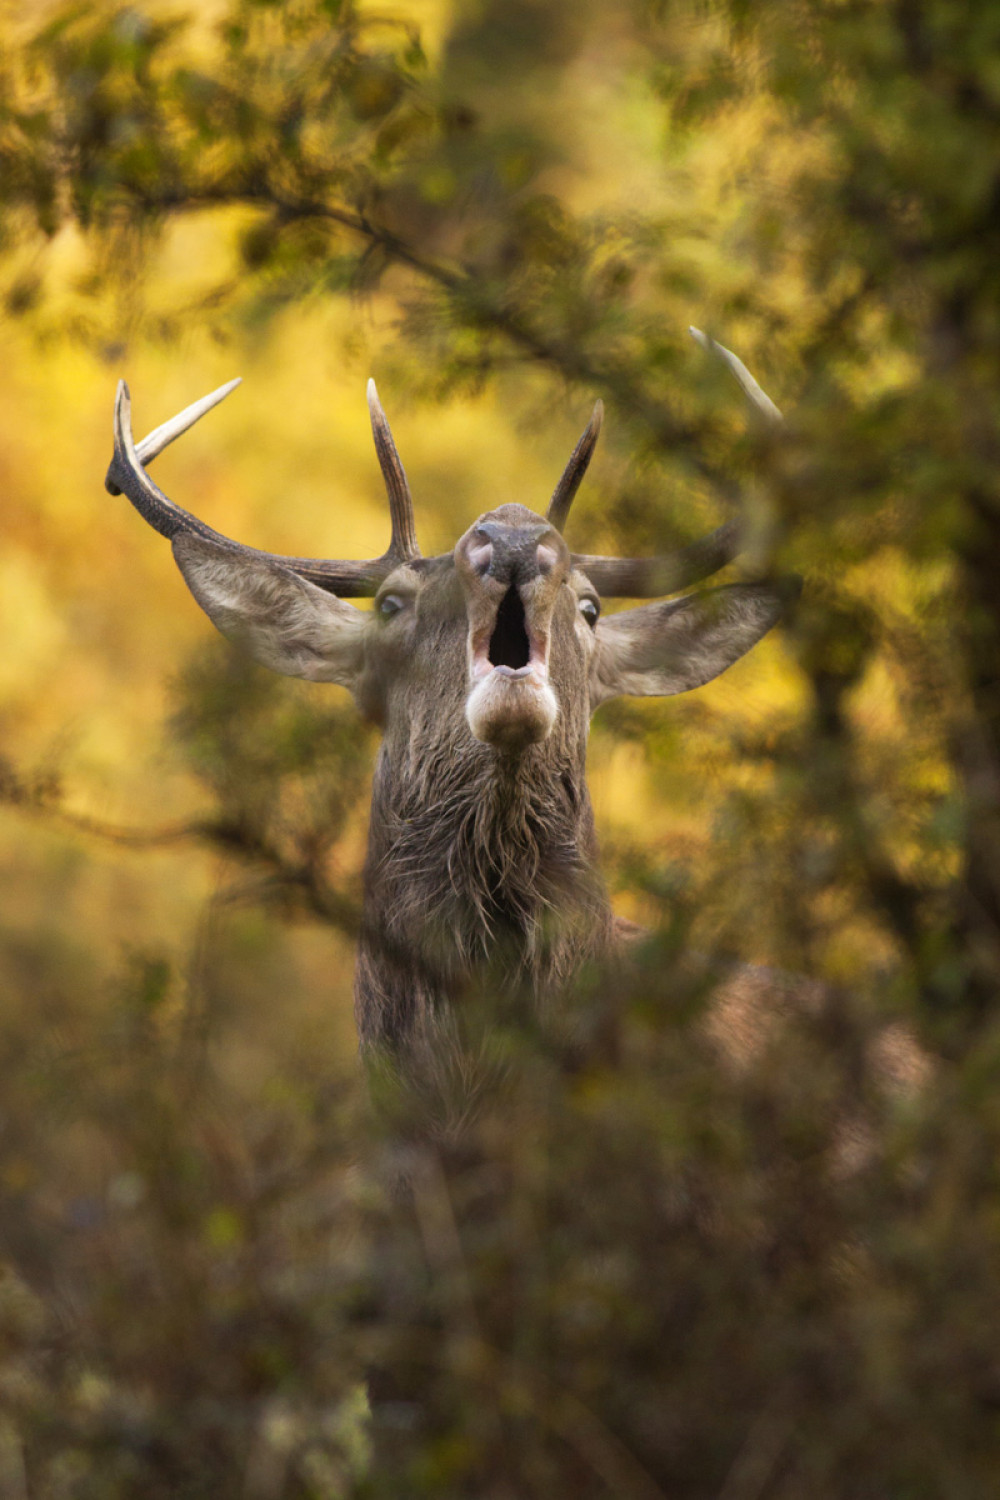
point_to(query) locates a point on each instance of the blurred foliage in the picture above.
(284, 773)
(691, 1253)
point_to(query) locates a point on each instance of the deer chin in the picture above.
(510, 708)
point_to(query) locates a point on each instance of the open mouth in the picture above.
(511, 703)
(510, 650)
(509, 645)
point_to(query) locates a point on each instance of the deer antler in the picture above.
(127, 474)
(572, 475)
(161, 437)
(757, 397)
(403, 546)
(624, 577)
(650, 577)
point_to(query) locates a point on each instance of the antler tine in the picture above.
(403, 546)
(572, 476)
(161, 437)
(126, 474)
(758, 398)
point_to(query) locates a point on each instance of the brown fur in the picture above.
(483, 666)
(478, 859)
(482, 857)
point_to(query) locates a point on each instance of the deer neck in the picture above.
(477, 863)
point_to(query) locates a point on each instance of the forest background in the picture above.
(643, 1275)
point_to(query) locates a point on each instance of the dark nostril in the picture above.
(481, 556)
(512, 554)
(547, 558)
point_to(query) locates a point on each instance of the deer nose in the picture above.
(512, 554)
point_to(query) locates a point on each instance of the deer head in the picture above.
(482, 665)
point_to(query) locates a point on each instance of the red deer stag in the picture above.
(482, 666)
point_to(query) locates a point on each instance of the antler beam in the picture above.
(651, 577)
(362, 579)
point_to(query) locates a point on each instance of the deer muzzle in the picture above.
(511, 576)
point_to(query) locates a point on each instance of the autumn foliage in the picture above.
(634, 1261)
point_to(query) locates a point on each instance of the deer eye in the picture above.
(590, 609)
(390, 605)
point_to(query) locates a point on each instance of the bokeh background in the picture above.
(671, 1268)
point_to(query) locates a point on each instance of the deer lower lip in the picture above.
(535, 674)
(508, 707)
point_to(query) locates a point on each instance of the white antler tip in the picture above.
(161, 437)
(123, 410)
(757, 397)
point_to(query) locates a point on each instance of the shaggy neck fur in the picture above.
(479, 864)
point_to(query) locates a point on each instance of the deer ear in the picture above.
(660, 649)
(282, 620)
